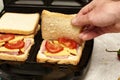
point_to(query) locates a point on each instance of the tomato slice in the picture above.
(52, 47)
(68, 42)
(17, 45)
(6, 37)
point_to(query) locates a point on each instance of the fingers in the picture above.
(90, 34)
(81, 21)
(87, 8)
(82, 18)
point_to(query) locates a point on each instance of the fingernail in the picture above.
(81, 35)
(74, 20)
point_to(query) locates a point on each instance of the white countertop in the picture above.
(104, 65)
(1, 5)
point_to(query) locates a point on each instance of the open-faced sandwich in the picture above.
(61, 44)
(17, 32)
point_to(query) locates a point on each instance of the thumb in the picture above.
(88, 35)
(82, 17)
(91, 33)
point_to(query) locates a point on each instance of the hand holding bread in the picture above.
(55, 25)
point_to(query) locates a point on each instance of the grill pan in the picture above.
(30, 69)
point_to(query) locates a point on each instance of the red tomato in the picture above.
(68, 42)
(6, 37)
(52, 47)
(17, 45)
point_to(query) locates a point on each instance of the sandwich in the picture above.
(60, 43)
(17, 31)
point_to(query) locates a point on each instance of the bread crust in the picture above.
(21, 57)
(74, 60)
(19, 23)
(55, 25)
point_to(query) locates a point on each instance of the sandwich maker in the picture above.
(30, 69)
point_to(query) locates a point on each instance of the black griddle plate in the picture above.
(30, 69)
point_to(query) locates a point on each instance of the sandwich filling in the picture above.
(14, 44)
(61, 48)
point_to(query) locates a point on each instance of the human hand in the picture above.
(100, 17)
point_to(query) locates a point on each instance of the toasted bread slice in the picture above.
(19, 23)
(55, 25)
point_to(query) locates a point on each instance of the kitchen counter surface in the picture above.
(1, 5)
(104, 65)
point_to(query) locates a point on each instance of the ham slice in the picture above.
(11, 53)
(59, 57)
(27, 44)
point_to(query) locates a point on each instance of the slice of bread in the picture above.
(71, 59)
(19, 23)
(17, 57)
(55, 25)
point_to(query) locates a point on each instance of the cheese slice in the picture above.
(23, 49)
(17, 38)
(3, 49)
(65, 52)
(2, 43)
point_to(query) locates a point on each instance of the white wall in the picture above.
(1, 5)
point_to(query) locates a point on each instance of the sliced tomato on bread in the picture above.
(6, 37)
(53, 47)
(16, 45)
(68, 42)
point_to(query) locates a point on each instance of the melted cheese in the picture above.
(8, 50)
(23, 49)
(2, 43)
(17, 38)
(2, 49)
(64, 52)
